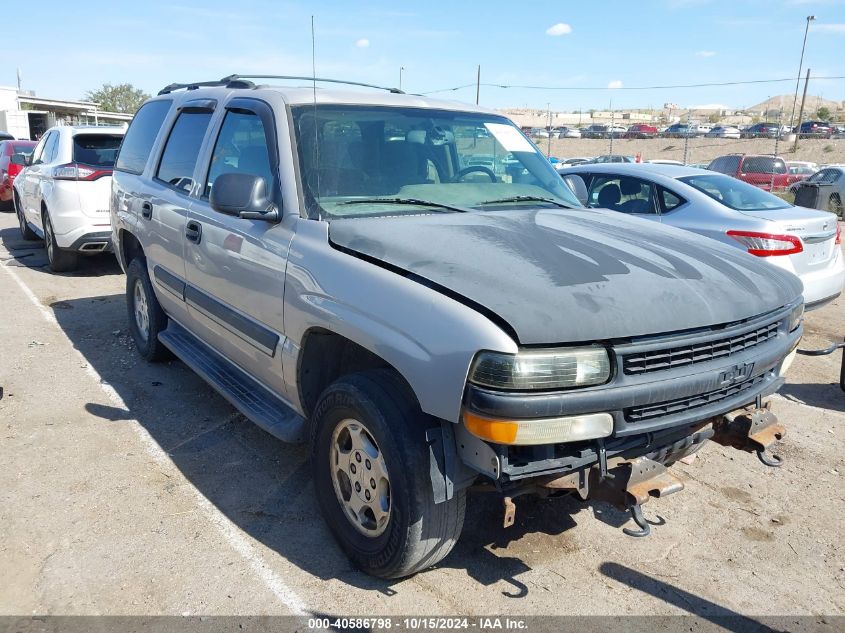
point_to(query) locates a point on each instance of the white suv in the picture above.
(62, 196)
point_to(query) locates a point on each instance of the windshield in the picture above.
(734, 193)
(352, 156)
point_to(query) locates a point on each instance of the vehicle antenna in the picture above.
(316, 134)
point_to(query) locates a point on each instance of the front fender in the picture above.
(429, 338)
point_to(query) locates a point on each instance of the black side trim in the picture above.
(170, 281)
(815, 305)
(253, 333)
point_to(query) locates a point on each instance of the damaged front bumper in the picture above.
(628, 479)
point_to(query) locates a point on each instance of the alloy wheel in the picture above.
(359, 477)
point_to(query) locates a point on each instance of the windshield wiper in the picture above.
(408, 201)
(528, 199)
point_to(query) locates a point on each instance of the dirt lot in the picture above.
(128, 488)
(699, 149)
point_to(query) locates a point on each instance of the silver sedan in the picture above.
(803, 241)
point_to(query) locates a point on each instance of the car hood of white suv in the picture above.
(567, 276)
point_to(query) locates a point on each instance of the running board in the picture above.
(255, 401)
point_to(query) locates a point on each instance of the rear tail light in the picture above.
(74, 171)
(766, 244)
(838, 234)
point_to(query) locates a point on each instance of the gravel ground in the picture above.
(133, 489)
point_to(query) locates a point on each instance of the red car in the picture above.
(640, 130)
(8, 169)
(761, 170)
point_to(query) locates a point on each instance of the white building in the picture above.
(26, 116)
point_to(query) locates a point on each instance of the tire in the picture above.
(26, 233)
(146, 318)
(60, 260)
(417, 533)
(7, 206)
(834, 204)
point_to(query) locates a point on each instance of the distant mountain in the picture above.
(812, 104)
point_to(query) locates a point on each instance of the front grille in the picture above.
(679, 405)
(658, 360)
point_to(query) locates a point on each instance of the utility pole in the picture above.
(686, 139)
(401, 68)
(777, 140)
(810, 18)
(611, 127)
(549, 144)
(478, 85)
(801, 112)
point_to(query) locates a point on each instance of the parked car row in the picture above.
(807, 129)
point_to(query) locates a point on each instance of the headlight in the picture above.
(795, 318)
(541, 369)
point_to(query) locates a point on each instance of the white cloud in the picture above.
(561, 28)
(705, 54)
(829, 28)
(616, 83)
(362, 43)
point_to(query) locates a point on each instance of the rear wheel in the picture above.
(26, 232)
(146, 318)
(371, 473)
(834, 204)
(60, 260)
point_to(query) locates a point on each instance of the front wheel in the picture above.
(26, 233)
(371, 472)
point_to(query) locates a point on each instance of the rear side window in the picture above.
(181, 151)
(99, 150)
(669, 200)
(764, 165)
(140, 137)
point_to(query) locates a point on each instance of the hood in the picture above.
(576, 275)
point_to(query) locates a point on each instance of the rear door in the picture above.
(236, 267)
(165, 209)
(37, 175)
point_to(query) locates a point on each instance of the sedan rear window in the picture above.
(99, 150)
(735, 194)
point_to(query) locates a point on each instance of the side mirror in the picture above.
(21, 159)
(243, 195)
(578, 187)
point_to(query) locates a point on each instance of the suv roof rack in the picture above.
(243, 81)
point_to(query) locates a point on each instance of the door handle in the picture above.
(193, 231)
(146, 210)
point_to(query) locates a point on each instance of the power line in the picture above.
(586, 88)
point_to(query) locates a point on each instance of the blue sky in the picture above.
(562, 43)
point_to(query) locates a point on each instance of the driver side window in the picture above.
(241, 148)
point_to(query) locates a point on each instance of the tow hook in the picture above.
(751, 430)
(631, 484)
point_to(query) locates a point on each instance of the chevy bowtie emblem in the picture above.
(735, 374)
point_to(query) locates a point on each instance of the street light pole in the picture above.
(401, 68)
(810, 18)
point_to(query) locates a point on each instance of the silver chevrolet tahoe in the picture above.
(409, 286)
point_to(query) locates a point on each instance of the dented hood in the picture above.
(578, 275)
